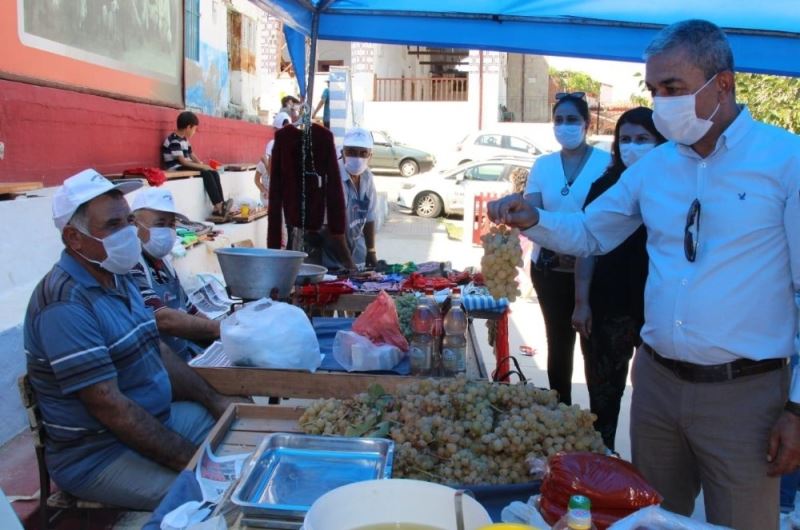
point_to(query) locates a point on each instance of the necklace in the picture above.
(567, 183)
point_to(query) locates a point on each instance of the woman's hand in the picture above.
(582, 319)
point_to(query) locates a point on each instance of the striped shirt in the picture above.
(172, 148)
(77, 334)
(162, 274)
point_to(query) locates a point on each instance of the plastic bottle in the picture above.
(578, 516)
(420, 352)
(436, 332)
(454, 346)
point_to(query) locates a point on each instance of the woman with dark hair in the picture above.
(609, 289)
(559, 182)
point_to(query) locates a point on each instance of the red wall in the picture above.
(50, 134)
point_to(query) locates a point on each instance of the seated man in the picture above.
(123, 414)
(178, 320)
(177, 154)
(360, 200)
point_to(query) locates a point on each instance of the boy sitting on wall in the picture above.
(176, 152)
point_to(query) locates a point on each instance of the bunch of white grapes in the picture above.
(502, 255)
(460, 432)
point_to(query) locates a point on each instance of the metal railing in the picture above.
(421, 89)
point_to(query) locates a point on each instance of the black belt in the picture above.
(715, 373)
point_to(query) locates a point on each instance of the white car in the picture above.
(435, 193)
(482, 145)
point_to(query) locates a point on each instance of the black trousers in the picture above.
(556, 294)
(611, 346)
(212, 186)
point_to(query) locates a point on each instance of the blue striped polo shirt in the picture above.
(79, 333)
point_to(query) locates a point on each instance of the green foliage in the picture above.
(771, 99)
(571, 81)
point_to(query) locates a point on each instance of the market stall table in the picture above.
(320, 384)
(242, 428)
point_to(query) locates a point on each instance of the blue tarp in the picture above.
(765, 35)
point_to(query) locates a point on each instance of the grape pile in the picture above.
(502, 254)
(406, 304)
(455, 431)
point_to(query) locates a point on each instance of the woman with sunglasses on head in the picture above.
(609, 289)
(559, 182)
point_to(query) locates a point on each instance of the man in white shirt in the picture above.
(712, 401)
(360, 200)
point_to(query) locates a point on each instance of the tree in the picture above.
(771, 99)
(571, 81)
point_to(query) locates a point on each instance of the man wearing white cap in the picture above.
(262, 169)
(179, 322)
(105, 387)
(360, 199)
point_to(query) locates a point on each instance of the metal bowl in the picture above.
(310, 274)
(252, 273)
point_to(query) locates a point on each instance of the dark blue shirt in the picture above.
(79, 333)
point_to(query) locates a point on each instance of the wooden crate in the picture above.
(244, 425)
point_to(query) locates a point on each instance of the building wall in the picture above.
(208, 80)
(527, 88)
(50, 134)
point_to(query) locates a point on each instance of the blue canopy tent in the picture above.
(765, 36)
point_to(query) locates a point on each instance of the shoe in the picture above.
(226, 208)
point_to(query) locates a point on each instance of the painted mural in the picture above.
(208, 82)
(122, 47)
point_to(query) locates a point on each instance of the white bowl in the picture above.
(392, 501)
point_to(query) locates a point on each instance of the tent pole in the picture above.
(312, 59)
(480, 90)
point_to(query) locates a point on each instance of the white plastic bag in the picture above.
(657, 517)
(270, 334)
(358, 354)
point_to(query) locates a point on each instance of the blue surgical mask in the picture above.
(355, 165)
(161, 241)
(123, 250)
(569, 136)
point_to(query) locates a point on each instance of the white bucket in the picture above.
(392, 501)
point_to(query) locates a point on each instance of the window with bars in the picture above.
(192, 30)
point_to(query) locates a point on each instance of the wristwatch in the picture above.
(370, 251)
(792, 407)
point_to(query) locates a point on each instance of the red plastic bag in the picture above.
(614, 486)
(154, 176)
(380, 324)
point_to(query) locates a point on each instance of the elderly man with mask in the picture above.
(179, 322)
(123, 416)
(360, 200)
(712, 402)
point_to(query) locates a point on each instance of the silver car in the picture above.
(435, 193)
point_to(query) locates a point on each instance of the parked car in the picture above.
(390, 155)
(434, 193)
(483, 144)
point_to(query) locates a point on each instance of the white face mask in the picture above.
(123, 250)
(676, 117)
(630, 153)
(162, 239)
(569, 136)
(355, 165)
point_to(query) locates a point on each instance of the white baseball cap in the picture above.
(82, 188)
(358, 137)
(157, 199)
(280, 117)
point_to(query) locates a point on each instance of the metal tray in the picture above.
(288, 472)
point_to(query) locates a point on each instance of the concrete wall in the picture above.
(428, 125)
(527, 85)
(31, 245)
